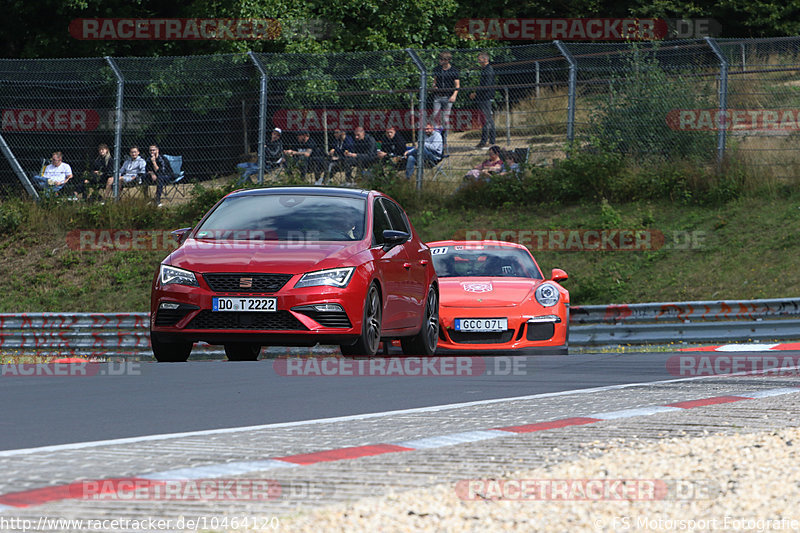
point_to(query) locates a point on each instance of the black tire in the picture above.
(242, 351)
(170, 352)
(371, 326)
(424, 342)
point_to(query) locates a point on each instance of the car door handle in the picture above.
(423, 262)
(406, 265)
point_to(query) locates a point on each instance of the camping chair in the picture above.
(171, 186)
(441, 167)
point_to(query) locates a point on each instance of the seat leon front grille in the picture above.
(246, 282)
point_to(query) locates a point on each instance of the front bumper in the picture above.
(535, 333)
(183, 313)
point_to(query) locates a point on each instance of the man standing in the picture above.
(446, 84)
(432, 150)
(55, 174)
(483, 97)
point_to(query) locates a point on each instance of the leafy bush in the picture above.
(634, 115)
(12, 216)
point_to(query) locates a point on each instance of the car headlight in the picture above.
(335, 277)
(547, 295)
(169, 274)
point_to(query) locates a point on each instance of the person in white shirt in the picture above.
(132, 169)
(56, 174)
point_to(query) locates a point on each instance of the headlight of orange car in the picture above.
(547, 295)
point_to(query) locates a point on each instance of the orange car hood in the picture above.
(486, 292)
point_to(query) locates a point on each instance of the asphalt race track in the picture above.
(152, 398)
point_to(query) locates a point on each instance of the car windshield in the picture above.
(286, 217)
(478, 260)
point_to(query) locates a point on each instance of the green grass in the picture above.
(747, 248)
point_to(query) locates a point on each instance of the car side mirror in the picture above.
(180, 234)
(392, 238)
(558, 275)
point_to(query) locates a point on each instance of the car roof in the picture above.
(307, 191)
(476, 243)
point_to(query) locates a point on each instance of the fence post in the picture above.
(744, 64)
(423, 94)
(23, 178)
(723, 97)
(117, 122)
(262, 115)
(573, 80)
(325, 127)
(508, 119)
(537, 79)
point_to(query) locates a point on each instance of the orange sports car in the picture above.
(493, 297)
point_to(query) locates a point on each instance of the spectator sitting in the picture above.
(510, 164)
(393, 146)
(304, 153)
(364, 152)
(102, 169)
(273, 156)
(342, 143)
(490, 166)
(432, 150)
(132, 169)
(158, 170)
(56, 174)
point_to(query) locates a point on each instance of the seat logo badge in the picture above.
(245, 283)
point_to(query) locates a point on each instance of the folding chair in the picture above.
(41, 182)
(441, 167)
(171, 187)
(521, 155)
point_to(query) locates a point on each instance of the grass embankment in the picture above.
(745, 248)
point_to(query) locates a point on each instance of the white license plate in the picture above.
(481, 324)
(245, 304)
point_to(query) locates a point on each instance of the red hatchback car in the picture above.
(296, 266)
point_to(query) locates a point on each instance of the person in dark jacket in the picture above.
(102, 169)
(483, 98)
(158, 171)
(305, 154)
(342, 143)
(364, 152)
(393, 147)
(273, 157)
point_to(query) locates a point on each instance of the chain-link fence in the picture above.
(353, 117)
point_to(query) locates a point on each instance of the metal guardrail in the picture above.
(688, 322)
(127, 334)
